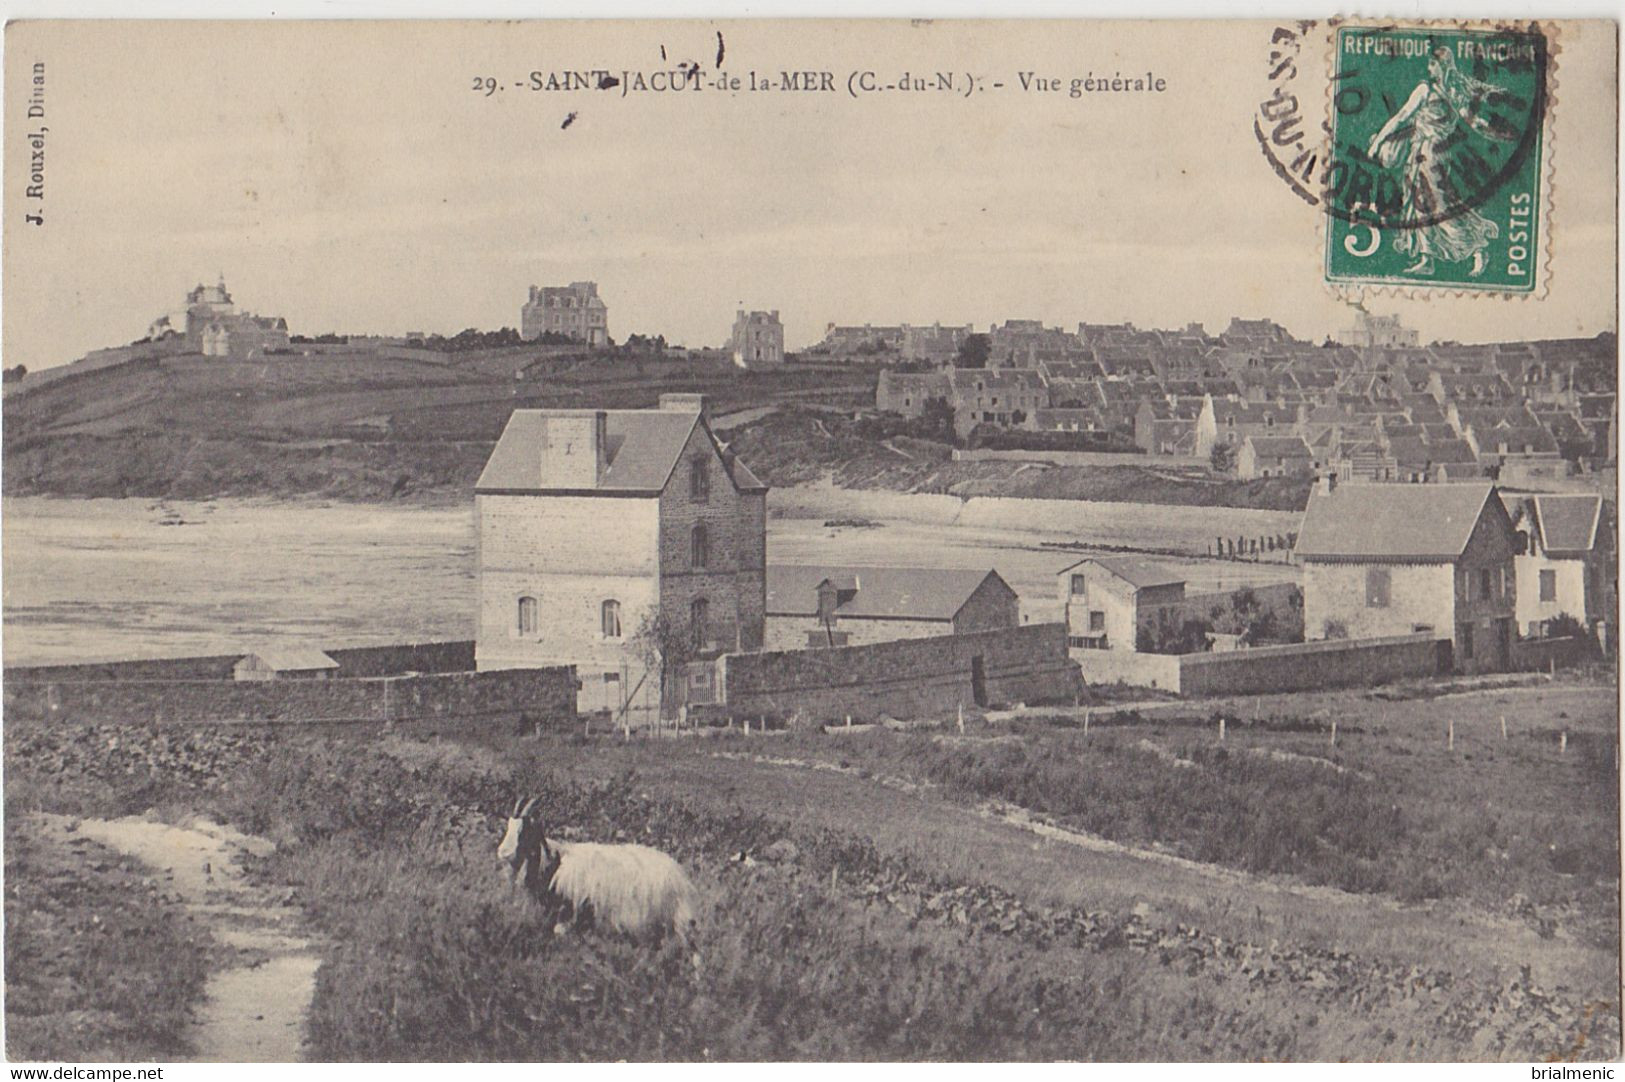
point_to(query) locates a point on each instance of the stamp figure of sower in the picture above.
(1414, 140)
(1435, 172)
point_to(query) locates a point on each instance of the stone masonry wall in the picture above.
(910, 678)
(542, 694)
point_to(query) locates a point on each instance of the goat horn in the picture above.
(535, 800)
(516, 805)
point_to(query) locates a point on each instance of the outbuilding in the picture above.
(285, 663)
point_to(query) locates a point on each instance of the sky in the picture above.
(349, 177)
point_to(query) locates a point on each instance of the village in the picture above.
(624, 551)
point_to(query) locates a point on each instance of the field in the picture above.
(366, 425)
(1021, 891)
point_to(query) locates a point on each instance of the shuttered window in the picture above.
(1377, 583)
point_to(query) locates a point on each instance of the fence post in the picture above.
(849, 721)
(1450, 736)
(1503, 726)
(1334, 732)
(1563, 743)
(961, 719)
(1086, 712)
(1221, 726)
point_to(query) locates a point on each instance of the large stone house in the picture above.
(813, 607)
(1565, 565)
(757, 340)
(601, 531)
(574, 311)
(1381, 560)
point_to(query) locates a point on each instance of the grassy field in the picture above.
(363, 425)
(894, 895)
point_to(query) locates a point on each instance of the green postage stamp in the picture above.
(1436, 157)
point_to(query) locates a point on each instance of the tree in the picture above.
(665, 647)
(937, 419)
(1223, 458)
(15, 373)
(973, 351)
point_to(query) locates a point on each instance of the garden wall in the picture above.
(1313, 665)
(910, 678)
(541, 694)
(1545, 655)
(1161, 671)
(362, 661)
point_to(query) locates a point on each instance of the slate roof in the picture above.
(1138, 573)
(1279, 446)
(292, 658)
(914, 593)
(1392, 522)
(1568, 524)
(643, 449)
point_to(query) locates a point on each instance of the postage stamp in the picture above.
(1437, 136)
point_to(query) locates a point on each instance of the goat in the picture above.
(631, 888)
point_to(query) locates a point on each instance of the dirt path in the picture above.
(255, 1002)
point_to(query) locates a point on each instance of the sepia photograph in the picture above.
(810, 540)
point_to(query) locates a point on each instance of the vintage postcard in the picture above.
(754, 540)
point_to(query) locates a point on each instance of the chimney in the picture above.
(574, 448)
(685, 403)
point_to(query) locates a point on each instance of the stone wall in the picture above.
(733, 581)
(358, 661)
(910, 678)
(540, 694)
(1314, 665)
(1160, 671)
(1549, 655)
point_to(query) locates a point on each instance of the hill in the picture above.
(380, 422)
(365, 422)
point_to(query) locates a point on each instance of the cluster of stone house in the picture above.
(211, 324)
(611, 538)
(870, 344)
(1465, 562)
(1376, 408)
(574, 311)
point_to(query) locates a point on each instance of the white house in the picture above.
(1109, 599)
(1565, 567)
(595, 524)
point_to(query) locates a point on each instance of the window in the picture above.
(1548, 585)
(1097, 620)
(527, 616)
(1465, 586)
(699, 481)
(1484, 583)
(1077, 584)
(699, 547)
(1464, 634)
(1377, 583)
(609, 619)
(699, 615)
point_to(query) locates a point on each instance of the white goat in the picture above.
(631, 888)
